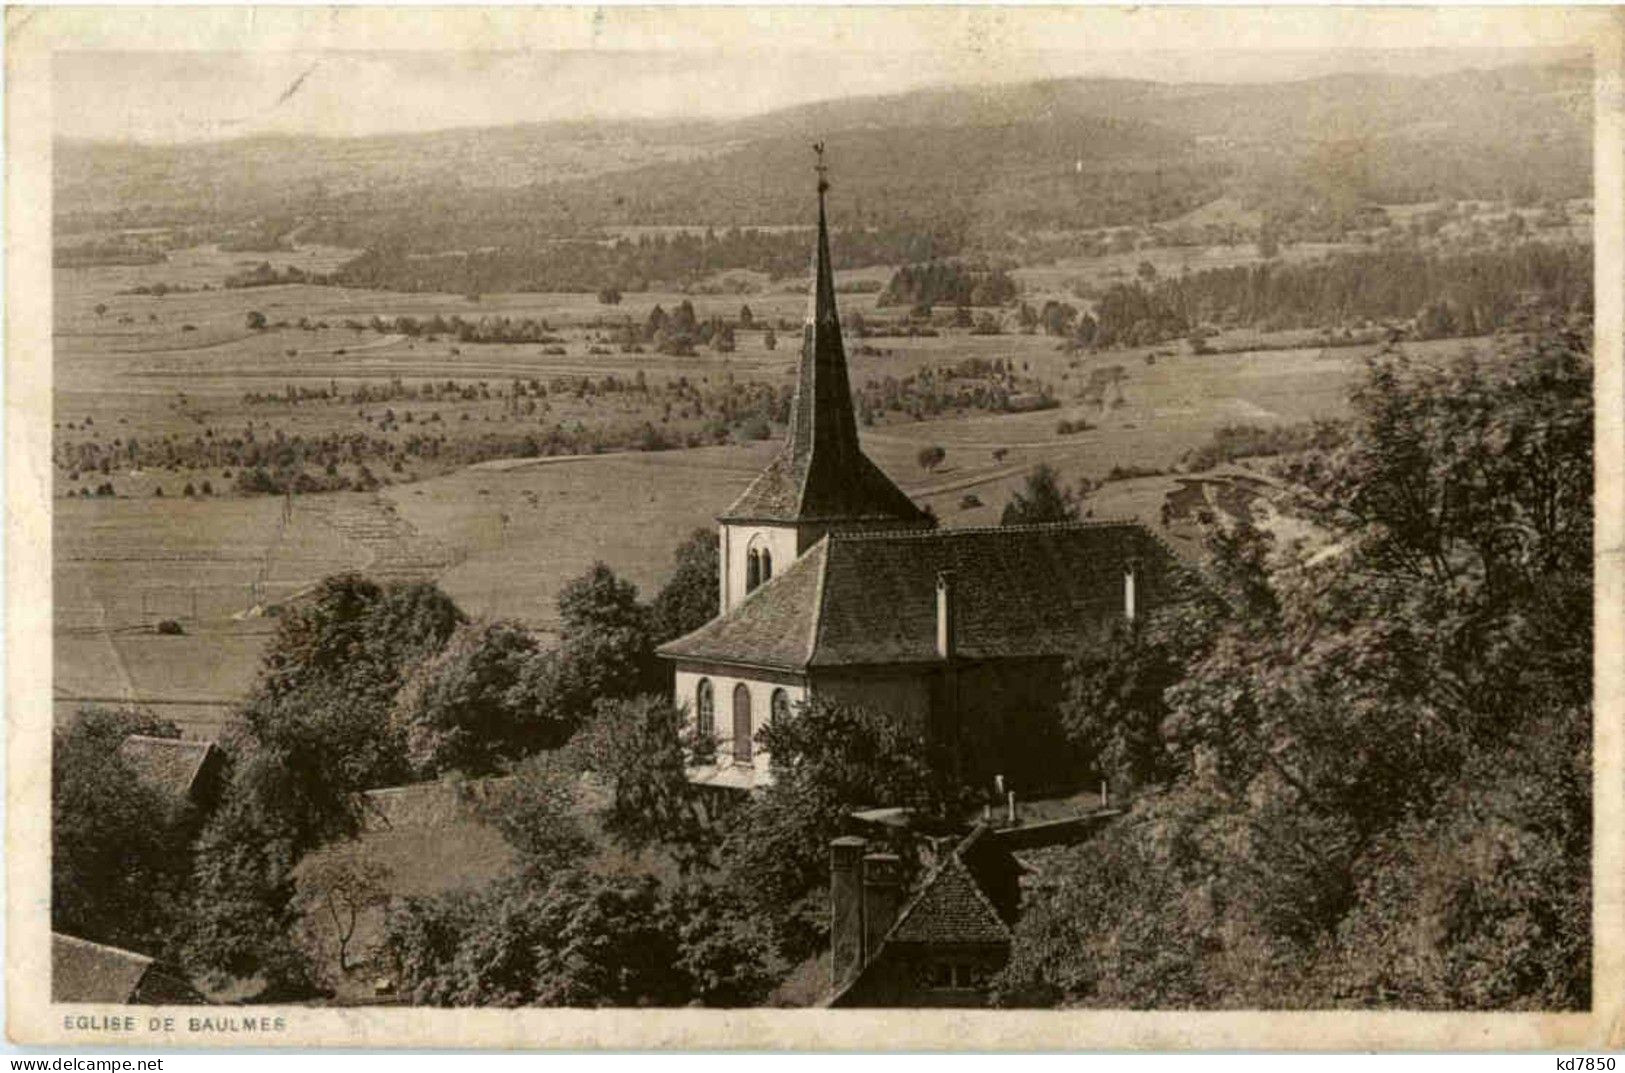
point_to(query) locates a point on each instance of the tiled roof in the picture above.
(822, 473)
(169, 765)
(870, 598)
(951, 907)
(772, 627)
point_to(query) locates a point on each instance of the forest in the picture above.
(1444, 293)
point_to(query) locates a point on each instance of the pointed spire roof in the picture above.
(822, 474)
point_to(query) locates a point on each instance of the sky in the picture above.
(178, 96)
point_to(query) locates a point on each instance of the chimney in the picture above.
(882, 897)
(947, 641)
(846, 909)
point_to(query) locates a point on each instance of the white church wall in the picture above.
(761, 692)
(737, 540)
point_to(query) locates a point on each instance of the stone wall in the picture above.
(429, 804)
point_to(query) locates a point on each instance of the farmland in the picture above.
(502, 469)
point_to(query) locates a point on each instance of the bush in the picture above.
(170, 627)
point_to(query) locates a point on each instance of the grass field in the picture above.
(503, 537)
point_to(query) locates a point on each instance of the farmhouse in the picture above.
(835, 584)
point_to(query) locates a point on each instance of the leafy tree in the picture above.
(120, 862)
(316, 730)
(539, 812)
(637, 748)
(1377, 749)
(607, 651)
(1114, 708)
(692, 597)
(469, 708)
(255, 320)
(828, 760)
(1042, 500)
(578, 939)
(931, 457)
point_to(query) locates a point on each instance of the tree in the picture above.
(336, 885)
(638, 748)
(770, 339)
(469, 707)
(1114, 709)
(538, 813)
(1041, 501)
(746, 317)
(607, 650)
(255, 320)
(609, 296)
(120, 867)
(316, 729)
(827, 760)
(692, 596)
(578, 939)
(1374, 751)
(931, 457)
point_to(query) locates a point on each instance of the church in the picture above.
(836, 585)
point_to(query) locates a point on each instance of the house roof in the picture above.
(953, 906)
(169, 765)
(822, 474)
(83, 971)
(870, 598)
(950, 908)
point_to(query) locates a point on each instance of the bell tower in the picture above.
(821, 479)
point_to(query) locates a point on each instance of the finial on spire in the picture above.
(821, 168)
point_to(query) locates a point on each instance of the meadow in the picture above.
(503, 536)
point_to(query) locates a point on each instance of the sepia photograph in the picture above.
(811, 511)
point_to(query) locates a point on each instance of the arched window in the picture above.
(753, 570)
(742, 723)
(767, 564)
(781, 706)
(705, 709)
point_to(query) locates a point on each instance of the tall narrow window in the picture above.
(781, 706)
(705, 709)
(1128, 594)
(767, 564)
(742, 724)
(753, 570)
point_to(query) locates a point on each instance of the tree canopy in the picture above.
(120, 861)
(1368, 752)
(1041, 500)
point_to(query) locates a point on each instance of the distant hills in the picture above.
(1073, 153)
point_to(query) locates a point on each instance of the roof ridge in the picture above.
(191, 743)
(973, 530)
(121, 951)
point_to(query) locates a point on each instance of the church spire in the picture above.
(821, 417)
(822, 474)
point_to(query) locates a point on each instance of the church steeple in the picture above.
(821, 474)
